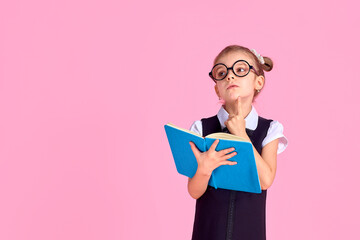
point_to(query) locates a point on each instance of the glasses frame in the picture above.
(231, 68)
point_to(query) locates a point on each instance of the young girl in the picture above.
(222, 214)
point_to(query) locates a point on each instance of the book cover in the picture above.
(242, 176)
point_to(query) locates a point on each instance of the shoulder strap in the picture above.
(210, 125)
(260, 133)
(262, 127)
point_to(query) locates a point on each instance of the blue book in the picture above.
(242, 176)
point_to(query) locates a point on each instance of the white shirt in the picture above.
(251, 120)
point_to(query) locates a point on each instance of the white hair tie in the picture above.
(261, 59)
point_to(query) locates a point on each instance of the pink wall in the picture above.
(86, 87)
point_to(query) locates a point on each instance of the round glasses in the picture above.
(240, 68)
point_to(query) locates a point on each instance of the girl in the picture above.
(220, 214)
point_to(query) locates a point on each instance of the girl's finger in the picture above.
(230, 162)
(194, 149)
(239, 109)
(228, 156)
(213, 146)
(226, 163)
(225, 151)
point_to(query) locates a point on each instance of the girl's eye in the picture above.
(240, 70)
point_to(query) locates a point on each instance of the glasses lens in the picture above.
(219, 72)
(241, 68)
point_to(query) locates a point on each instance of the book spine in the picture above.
(212, 174)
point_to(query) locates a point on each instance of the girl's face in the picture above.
(243, 87)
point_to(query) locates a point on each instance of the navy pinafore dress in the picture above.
(222, 214)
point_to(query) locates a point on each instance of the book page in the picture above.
(184, 129)
(226, 136)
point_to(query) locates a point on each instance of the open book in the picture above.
(242, 176)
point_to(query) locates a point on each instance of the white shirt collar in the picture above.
(251, 120)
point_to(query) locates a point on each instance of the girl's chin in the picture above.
(234, 97)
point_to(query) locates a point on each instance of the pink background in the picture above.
(87, 86)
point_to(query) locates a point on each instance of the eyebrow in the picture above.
(236, 61)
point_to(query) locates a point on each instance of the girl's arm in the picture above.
(266, 163)
(197, 184)
(207, 162)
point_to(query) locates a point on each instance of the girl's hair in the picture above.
(260, 68)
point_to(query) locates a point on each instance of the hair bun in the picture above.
(268, 65)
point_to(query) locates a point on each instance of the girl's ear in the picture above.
(259, 82)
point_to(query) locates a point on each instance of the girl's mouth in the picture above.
(232, 86)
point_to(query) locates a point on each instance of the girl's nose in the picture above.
(230, 75)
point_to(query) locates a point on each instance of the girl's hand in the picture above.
(236, 122)
(211, 159)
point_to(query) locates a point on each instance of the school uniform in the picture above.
(222, 214)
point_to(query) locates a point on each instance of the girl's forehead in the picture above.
(229, 58)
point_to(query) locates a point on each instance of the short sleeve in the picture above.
(196, 127)
(275, 131)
